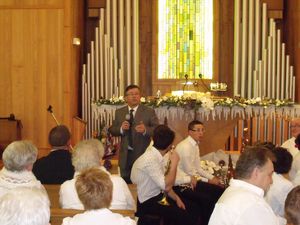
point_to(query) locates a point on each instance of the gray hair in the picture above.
(18, 155)
(87, 154)
(26, 206)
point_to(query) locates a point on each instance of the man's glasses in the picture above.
(198, 130)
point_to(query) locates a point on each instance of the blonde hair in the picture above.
(94, 189)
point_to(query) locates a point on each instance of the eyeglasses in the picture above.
(198, 130)
(295, 126)
(133, 94)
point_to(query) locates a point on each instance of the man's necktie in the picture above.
(130, 128)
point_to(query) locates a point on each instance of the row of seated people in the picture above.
(189, 202)
(20, 156)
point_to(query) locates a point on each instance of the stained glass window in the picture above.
(185, 39)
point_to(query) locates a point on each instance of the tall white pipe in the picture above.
(250, 49)
(271, 88)
(264, 26)
(136, 41)
(257, 33)
(273, 33)
(278, 62)
(97, 74)
(287, 77)
(282, 70)
(128, 41)
(101, 51)
(121, 46)
(236, 67)
(244, 47)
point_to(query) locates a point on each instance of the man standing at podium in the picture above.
(135, 124)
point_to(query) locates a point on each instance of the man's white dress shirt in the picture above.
(290, 146)
(148, 174)
(277, 193)
(98, 217)
(189, 155)
(243, 204)
(121, 199)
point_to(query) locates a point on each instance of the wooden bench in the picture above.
(53, 193)
(57, 215)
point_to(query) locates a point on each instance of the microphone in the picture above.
(127, 117)
(186, 81)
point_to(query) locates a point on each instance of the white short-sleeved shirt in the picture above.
(277, 193)
(148, 174)
(243, 204)
(98, 217)
(121, 199)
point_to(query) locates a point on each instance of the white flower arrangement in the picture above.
(198, 100)
(209, 166)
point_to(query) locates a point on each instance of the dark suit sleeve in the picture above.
(116, 124)
(153, 122)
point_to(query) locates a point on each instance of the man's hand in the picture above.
(140, 128)
(215, 181)
(193, 182)
(125, 125)
(179, 203)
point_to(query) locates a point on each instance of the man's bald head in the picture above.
(295, 127)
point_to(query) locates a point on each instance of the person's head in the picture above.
(283, 160)
(292, 206)
(255, 167)
(59, 136)
(297, 142)
(295, 127)
(19, 156)
(132, 95)
(267, 144)
(94, 189)
(26, 206)
(196, 130)
(87, 154)
(163, 137)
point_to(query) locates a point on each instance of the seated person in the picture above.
(25, 206)
(281, 186)
(290, 143)
(18, 158)
(243, 201)
(94, 189)
(292, 207)
(56, 167)
(206, 186)
(151, 178)
(295, 170)
(88, 154)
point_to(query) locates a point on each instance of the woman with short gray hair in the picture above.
(18, 158)
(88, 154)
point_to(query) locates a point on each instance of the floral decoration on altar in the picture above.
(199, 100)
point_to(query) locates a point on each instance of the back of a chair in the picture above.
(57, 214)
(53, 193)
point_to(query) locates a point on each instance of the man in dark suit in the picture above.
(56, 167)
(135, 124)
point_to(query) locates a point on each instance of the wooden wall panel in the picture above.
(35, 68)
(39, 65)
(31, 3)
(292, 37)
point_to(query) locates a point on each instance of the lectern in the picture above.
(10, 130)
